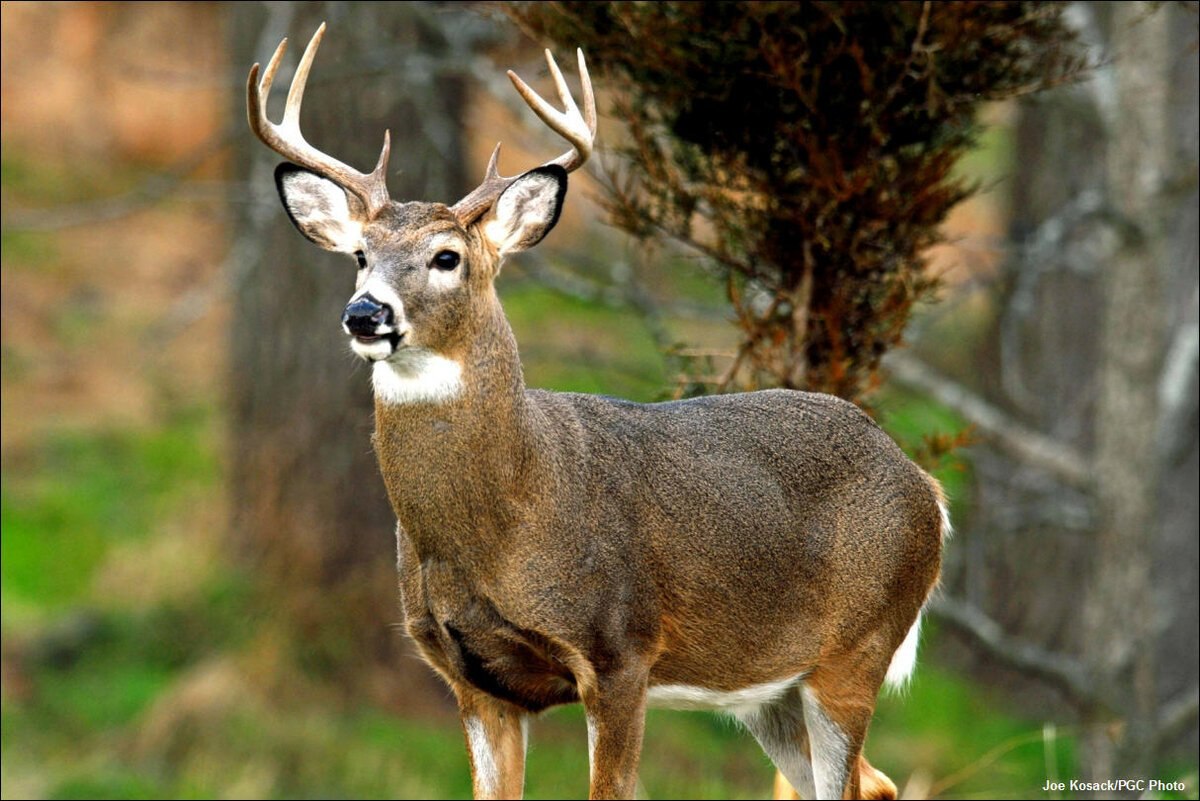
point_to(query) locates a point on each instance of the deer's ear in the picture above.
(321, 209)
(527, 210)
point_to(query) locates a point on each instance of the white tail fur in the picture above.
(904, 661)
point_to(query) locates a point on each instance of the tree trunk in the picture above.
(310, 516)
(1095, 346)
(1120, 619)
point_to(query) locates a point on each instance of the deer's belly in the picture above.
(686, 696)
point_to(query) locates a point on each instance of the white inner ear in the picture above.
(322, 212)
(523, 213)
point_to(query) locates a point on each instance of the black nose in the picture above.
(364, 316)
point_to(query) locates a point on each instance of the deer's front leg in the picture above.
(495, 733)
(616, 719)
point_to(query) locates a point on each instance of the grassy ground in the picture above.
(133, 668)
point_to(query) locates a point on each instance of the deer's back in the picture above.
(774, 452)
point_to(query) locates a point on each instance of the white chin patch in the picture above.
(371, 351)
(415, 375)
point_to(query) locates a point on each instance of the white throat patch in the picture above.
(415, 375)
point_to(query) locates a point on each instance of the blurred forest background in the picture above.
(198, 559)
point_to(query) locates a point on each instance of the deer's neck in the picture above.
(457, 463)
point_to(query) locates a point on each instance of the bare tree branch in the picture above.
(100, 210)
(623, 291)
(1011, 436)
(1176, 716)
(1176, 396)
(1064, 672)
(1078, 236)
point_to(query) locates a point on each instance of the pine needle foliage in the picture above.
(806, 151)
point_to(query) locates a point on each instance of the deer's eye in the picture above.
(362, 259)
(445, 260)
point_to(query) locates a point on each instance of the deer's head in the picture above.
(424, 270)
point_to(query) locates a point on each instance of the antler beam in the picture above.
(287, 140)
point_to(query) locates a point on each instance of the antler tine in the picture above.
(264, 88)
(287, 140)
(295, 95)
(564, 94)
(589, 98)
(493, 167)
(578, 128)
(560, 84)
(569, 123)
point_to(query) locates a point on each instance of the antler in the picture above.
(286, 139)
(577, 128)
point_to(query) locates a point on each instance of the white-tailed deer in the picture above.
(766, 554)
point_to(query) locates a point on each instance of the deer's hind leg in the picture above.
(839, 701)
(780, 730)
(873, 784)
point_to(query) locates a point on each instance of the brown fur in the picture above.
(556, 547)
(721, 542)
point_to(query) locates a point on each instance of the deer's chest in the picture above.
(462, 634)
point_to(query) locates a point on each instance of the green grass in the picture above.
(64, 506)
(99, 680)
(956, 734)
(599, 349)
(104, 690)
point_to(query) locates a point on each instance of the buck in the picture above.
(766, 554)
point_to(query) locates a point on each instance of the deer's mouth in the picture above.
(376, 347)
(366, 339)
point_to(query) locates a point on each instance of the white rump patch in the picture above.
(743, 701)
(415, 375)
(904, 661)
